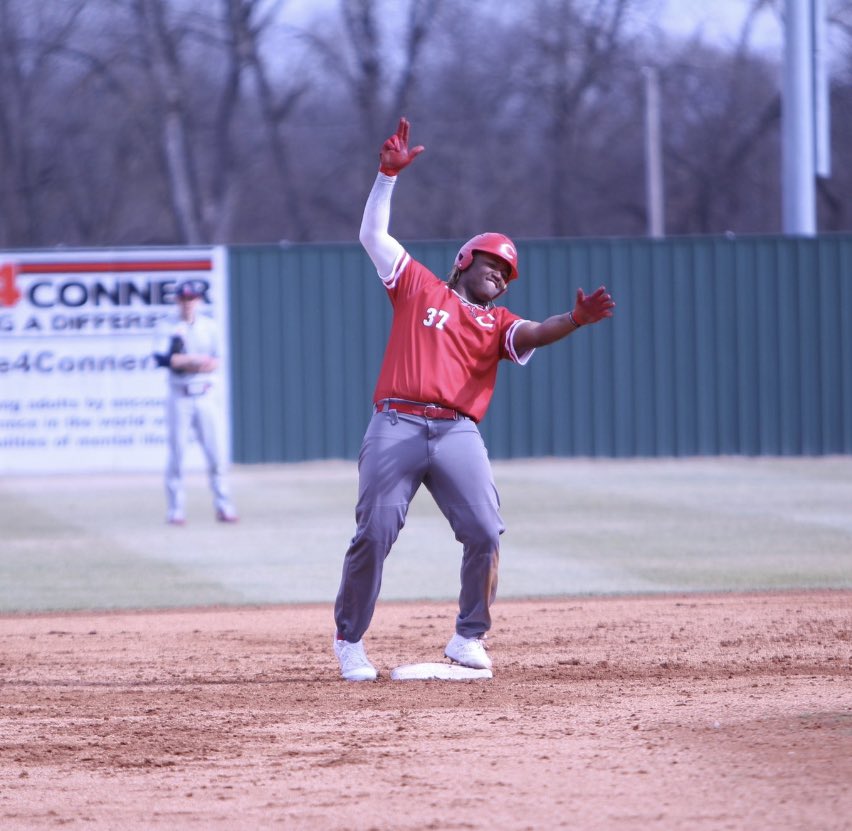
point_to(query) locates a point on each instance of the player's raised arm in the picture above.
(395, 155)
(587, 309)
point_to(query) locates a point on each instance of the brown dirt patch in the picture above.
(694, 712)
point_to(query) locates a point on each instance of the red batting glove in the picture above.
(395, 155)
(593, 308)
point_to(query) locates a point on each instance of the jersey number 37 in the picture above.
(436, 318)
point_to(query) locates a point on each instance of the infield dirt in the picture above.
(658, 712)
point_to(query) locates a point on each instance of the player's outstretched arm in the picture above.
(381, 247)
(587, 309)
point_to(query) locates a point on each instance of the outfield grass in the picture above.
(574, 526)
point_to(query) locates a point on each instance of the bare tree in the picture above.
(190, 121)
(723, 151)
(28, 46)
(161, 41)
(378, 64)
(835, 209)
(248, 21)
(573, 48)
(375, 54)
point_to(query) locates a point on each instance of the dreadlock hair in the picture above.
(453, 280)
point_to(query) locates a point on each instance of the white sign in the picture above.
(80, 390)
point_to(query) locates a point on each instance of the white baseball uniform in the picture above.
(191, 407)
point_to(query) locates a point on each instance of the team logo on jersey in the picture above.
(486, 321)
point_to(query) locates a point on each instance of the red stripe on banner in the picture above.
(153, 265)
(9, 294)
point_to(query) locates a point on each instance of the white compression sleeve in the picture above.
(382, 248)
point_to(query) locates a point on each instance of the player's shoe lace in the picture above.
(469, 652)
(354, 664)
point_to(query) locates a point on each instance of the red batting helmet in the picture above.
(496, 244)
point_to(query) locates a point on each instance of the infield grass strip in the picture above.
(69, 550)
(574, 527)
(681, 525)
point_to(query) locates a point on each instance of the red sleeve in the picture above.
(407, 277)
(509, 322)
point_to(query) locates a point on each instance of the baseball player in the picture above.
(435, 384)
(190, 353)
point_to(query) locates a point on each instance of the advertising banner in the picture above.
(80, 389)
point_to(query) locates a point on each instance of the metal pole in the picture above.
(653, 155)
(798, 159)
(822, 103)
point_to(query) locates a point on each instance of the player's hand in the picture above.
(594, 307)
(395, 154)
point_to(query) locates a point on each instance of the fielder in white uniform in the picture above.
(191, 353)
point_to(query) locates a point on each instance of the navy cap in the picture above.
(190, 289)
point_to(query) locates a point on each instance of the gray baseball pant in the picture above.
(399, 453)
(196, 413)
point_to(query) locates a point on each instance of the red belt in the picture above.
(424, 410)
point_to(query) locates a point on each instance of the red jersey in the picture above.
(442, 349)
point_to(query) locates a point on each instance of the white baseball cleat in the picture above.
(469, 652)
(354, 664)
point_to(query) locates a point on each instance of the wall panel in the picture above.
(718, 346)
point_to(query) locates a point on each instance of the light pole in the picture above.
(653, 155)
(804, 117)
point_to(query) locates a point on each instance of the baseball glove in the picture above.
(176, 347)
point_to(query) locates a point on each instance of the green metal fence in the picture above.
(718, 346)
